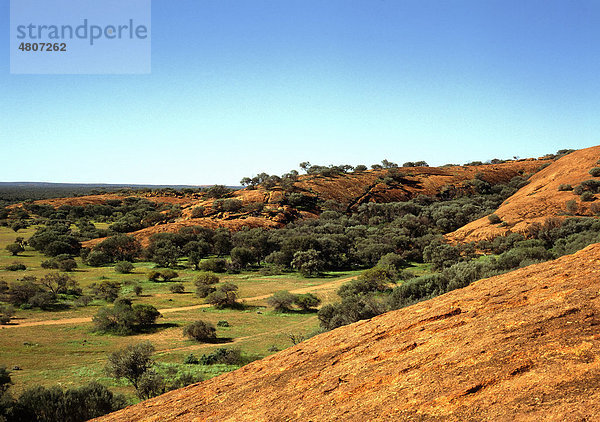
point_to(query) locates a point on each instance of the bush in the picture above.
(124, 267)
(14, 248)
(595, 172)
(67, 265)
(223, 356)
(151, 384)
(307, 301)
(571, 206)
(97, 259)
(106, 290)
(223, 323)
(587, 196)
(215, 265)
(6, 312)
(206, 277)
(200, 331)
(177, 288)
(281, 301)
(125, 319)
(16, 266)
(224, 296)
(168, 274)
(565, 187)
(131, 363)
(191, 359)
(494, 219)
(72, 405)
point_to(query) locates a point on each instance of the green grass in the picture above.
(72, 355)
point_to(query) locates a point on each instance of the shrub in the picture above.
(200, 331)
(14, 248)
(131, 363)
(281, 301)
(206, 277)
(224, 296)
(106, 290)
(223, 356)
(153, 275)
(16, 266)
(177, 288)
(67, 265)
(223, 323)
(587, 196)
(72, 405)
(125, 319)
(191, 359)
(215, 265)
(6, 312)
(565, 187)
(124, 267)
(151, 384)
(494, 219)
(168, 274)
(82, 301)
(97, 259)
(595, 171)
(137, 289)
(307, 301)
(571, 206)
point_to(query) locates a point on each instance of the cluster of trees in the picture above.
(283, 301)
(41, 404)
(136, 365)
(46, 293)
(457, 267)
(124, 318)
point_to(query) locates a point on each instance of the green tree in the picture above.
(309, 262)
(131, 363)
(200, 331)
(14, 248)
(282, 300)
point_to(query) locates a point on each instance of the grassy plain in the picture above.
(71, 354)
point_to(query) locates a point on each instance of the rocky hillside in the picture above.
(539, 200)
(275, 207)
(521, 346)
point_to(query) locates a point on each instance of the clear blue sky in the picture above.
(240, 87)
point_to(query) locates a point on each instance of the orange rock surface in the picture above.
(522, 346)
(538, 200)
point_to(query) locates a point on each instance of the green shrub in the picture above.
(200, 331)
(14, 248)
(16, 266)
(281, 301)
(307, 301)
(177, 288)
(595, 171)
(494, 219)
(565, 187)
(124, 267)
(587, 196)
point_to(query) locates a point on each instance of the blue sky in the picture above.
(240, 87)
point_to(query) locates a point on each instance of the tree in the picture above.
(307, 301)
(124, 267)
(106, 290)
(224, 296)
(120, 247)
(281, 301)
(6, 312)
(242, 257)
(131, 363)
(177, 288)
(124, 319)
(309, 262)
(59, 283)
(200, 331)
(14, 248)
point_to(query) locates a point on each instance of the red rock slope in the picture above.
(538, 200)
(521, 346)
